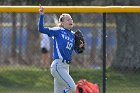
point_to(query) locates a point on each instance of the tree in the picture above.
(128, 52)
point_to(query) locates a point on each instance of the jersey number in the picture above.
(69, 45)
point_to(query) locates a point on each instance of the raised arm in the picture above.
(41, 28)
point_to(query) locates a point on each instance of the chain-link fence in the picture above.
(20, 53)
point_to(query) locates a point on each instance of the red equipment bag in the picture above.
(84, 86)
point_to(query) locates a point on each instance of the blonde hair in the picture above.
(61, 19)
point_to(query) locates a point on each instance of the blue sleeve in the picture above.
(45, 30)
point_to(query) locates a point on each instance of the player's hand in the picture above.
(41, 10)
(82, 44)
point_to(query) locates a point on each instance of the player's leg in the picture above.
(68, 81)
(45, 50)
(58, 86)
(60, 72)
(45, 58)
(64, 82)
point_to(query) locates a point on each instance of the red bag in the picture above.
(84, 86)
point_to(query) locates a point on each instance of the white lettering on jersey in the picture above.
(71, 40)
(66, 37)
(62, 35)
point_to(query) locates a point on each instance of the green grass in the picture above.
(25, 79)
(123, 81)
(35, 80)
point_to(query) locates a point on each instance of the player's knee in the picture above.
(73, 89)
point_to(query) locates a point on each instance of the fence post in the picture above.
(104, 53)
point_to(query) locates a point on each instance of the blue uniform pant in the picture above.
(62, 80)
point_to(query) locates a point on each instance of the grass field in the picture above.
(35, 80)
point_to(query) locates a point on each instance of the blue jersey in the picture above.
(63, 40)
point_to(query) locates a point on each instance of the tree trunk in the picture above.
(127, 55)
(128, 35)
(13, 48)
(20, 38)
(32, 37)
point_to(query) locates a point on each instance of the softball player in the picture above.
(45, 50)
(63, 46)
